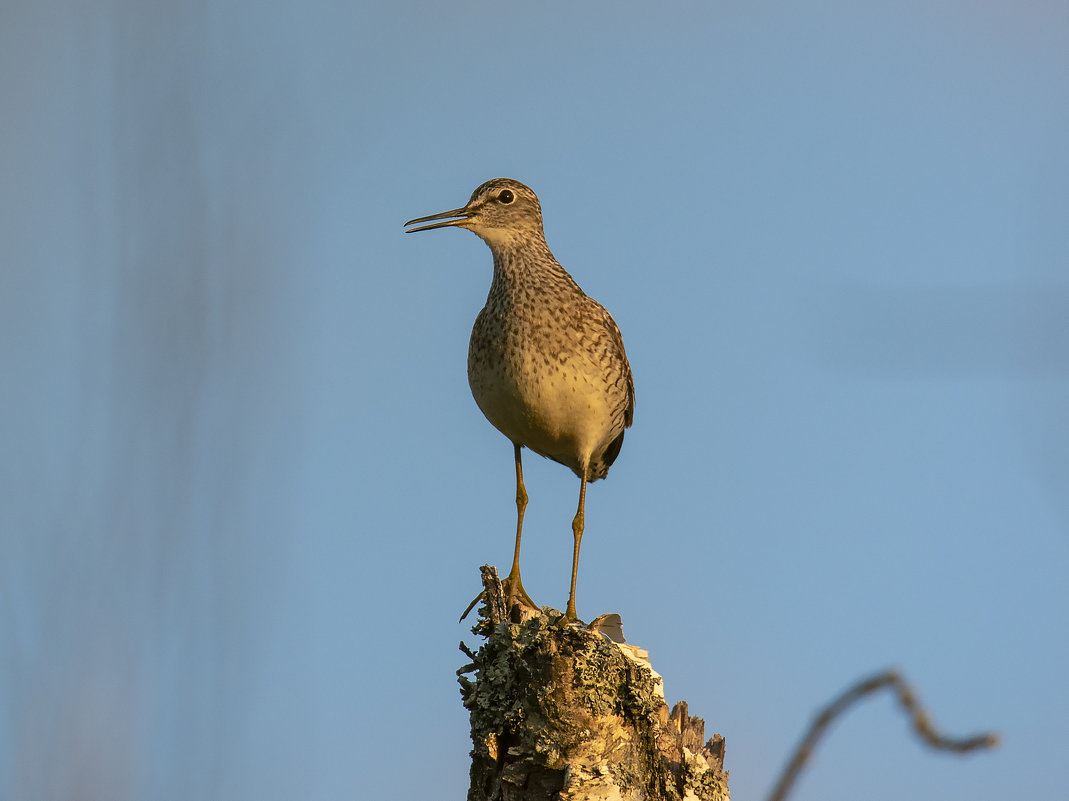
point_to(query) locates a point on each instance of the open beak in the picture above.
(463, 215)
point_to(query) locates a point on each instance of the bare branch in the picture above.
(906, 697)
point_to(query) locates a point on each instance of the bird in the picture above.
(546, 362)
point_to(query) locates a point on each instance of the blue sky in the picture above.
(245, 492)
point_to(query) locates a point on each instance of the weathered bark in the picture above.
(562, 713)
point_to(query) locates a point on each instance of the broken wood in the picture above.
(561, 712)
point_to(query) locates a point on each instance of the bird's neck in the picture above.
(526, 264)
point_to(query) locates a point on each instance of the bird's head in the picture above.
(500, 211)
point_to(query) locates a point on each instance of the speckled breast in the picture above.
(540, 394)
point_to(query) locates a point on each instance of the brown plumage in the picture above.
(546, 362)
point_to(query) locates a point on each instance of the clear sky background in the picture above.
(244, 489)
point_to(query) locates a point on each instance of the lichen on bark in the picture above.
(562, 713)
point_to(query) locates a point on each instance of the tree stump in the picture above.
(563, 713)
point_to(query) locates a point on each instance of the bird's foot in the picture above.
(515, 594)
(517, 602)
(569, 618)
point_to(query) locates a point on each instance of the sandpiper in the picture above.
(546, 362)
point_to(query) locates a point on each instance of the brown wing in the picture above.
(618, 341)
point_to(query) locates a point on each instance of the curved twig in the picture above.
(906, 698)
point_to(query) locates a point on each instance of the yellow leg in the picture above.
(578, 523)
(514, 591)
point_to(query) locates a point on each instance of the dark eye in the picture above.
(506, 196)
